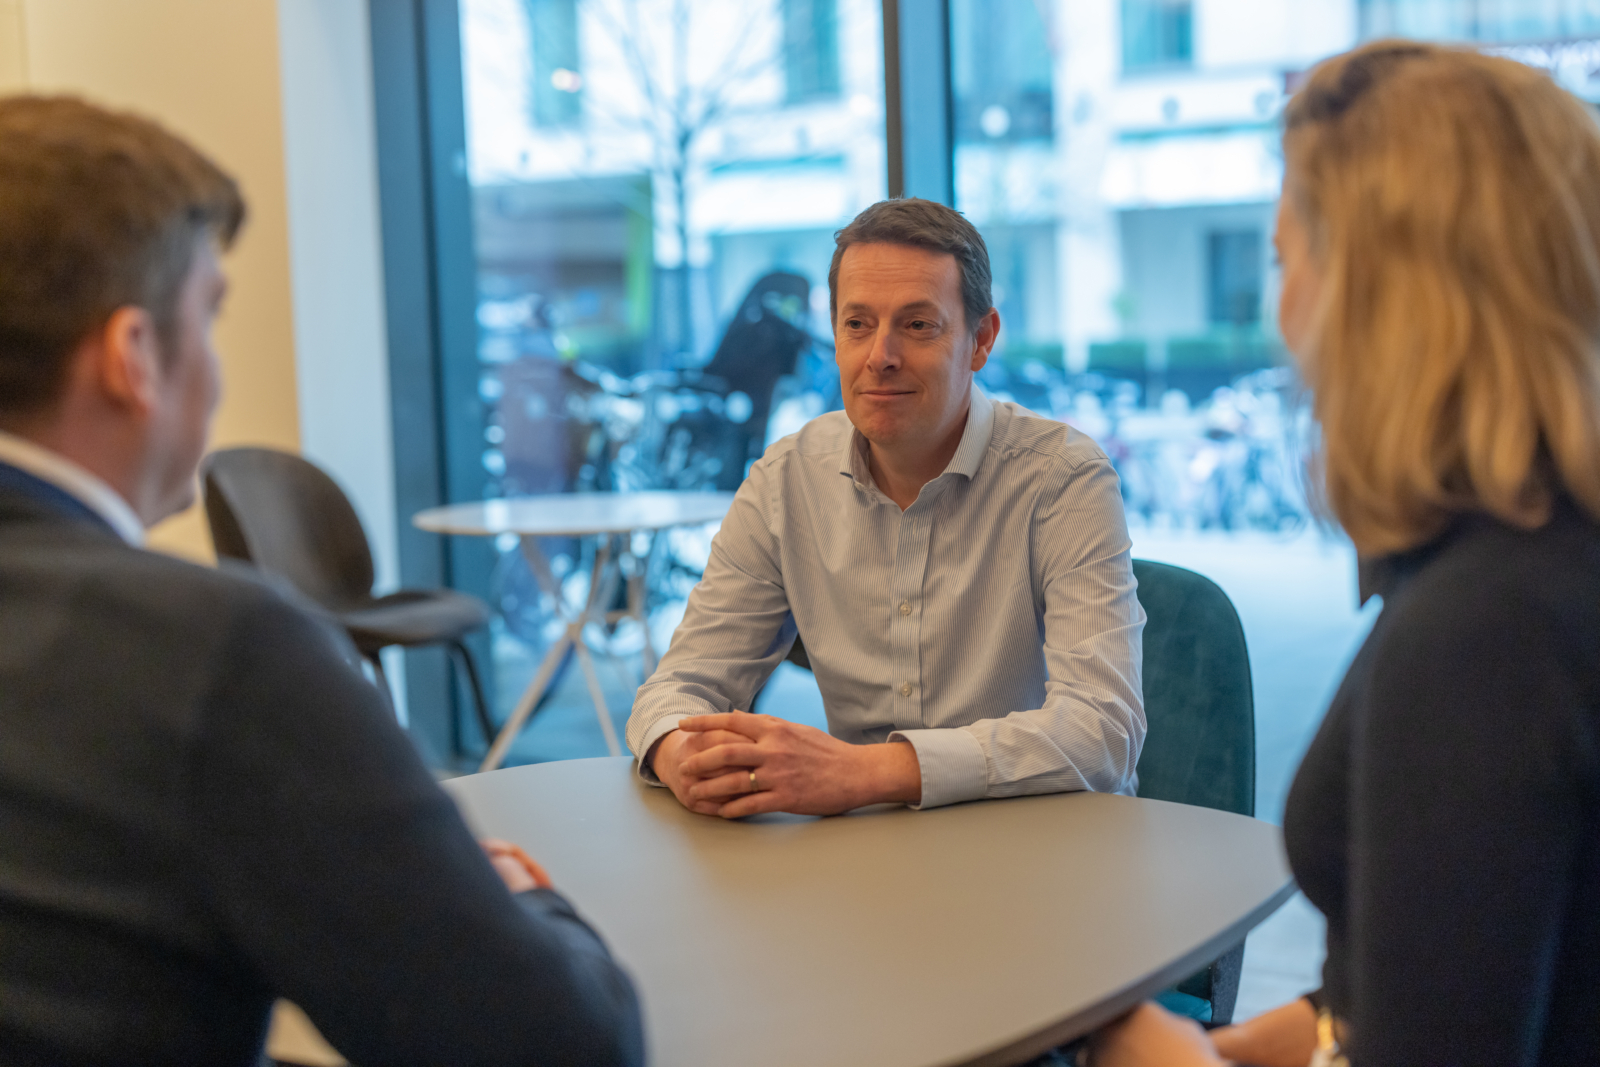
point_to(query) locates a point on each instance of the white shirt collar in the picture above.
(969, 453)
(975, 438)
(72, 479)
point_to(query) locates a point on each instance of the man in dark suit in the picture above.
(202, 806)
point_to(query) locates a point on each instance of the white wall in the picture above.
(335, 258)
(336, 269)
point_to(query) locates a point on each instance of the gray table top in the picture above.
(981, 933)
(575, 514)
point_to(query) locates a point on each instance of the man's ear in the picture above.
(126, 359)
(983, 340)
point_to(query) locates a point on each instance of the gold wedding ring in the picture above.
(753, 787)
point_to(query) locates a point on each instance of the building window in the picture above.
(1157, 33)
(1233, 260)
(557, 84)
(1480, 20)
(1003, 72)
(810, 49)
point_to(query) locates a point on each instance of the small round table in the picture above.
(603, 515)
(982, 933)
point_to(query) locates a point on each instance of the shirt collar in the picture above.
(969, 453)
(74, 480)
(975, 438)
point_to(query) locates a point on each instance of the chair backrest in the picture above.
(1201, 748)
(284, 515)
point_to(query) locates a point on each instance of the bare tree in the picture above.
(688, 78)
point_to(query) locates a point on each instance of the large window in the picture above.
(654, 185)
(653, 221)
(652, 192)
(1130, 233)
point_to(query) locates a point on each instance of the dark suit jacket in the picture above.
(203, 807)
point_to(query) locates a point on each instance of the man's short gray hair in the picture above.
(921, 224)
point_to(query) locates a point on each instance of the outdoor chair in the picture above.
(283, 515)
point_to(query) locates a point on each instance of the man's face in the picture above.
(906, 357)
(189, 388)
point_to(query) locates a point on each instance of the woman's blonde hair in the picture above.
(1452, 200)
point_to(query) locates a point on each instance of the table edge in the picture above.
(429, 519)
(1078, 1023)
(1090, 1019)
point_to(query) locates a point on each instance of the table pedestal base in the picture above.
(603, 579)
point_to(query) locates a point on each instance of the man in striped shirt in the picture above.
(957, 567)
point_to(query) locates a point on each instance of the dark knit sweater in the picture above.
(1446, 819)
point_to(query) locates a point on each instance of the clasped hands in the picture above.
(741, 764)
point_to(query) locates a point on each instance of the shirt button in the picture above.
(905, 689)
(905, 609)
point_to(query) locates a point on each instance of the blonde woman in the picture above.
(1440, 239)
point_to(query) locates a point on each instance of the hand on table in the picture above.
(771, 764)
(668, 756)
(515, 867)
(1151, 1036)
(1282, 1037)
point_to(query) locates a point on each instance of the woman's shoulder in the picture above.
(1484, 571)
(1496, 625)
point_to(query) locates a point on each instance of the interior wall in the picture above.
(13, 50)
(336, 261)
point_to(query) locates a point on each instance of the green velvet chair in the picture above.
(1201, 748)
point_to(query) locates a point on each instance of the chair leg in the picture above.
(463, 655)
(1225, 984)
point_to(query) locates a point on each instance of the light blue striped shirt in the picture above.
(992, 624)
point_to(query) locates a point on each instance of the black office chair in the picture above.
(1201, 748)
(282, 514)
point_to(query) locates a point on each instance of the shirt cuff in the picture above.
(953, 764)
(658, 729)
